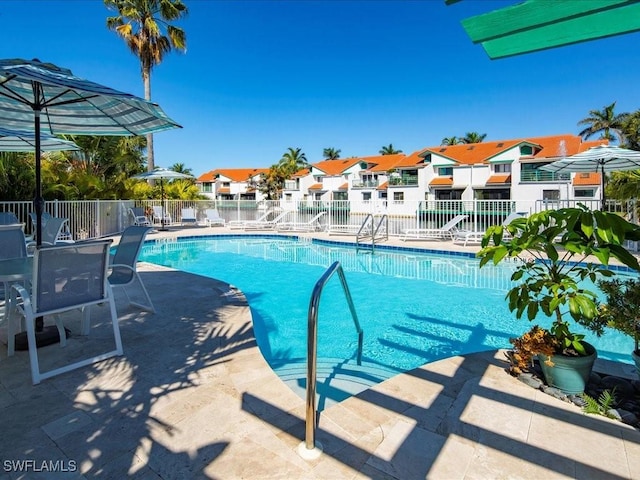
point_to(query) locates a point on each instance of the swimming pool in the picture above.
(414, 307)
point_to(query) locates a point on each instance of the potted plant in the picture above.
(622, 310)
(558, 252)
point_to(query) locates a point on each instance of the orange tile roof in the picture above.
(583, 179)
(382, 163)
(301, 173)
(207, 177)
(344, 186)
(411, 160)
(336, 167)
(554, 146)
(442, 181)
(383, 186)
(223, 190)
(493, 179)
(234, 174)
(316, 186)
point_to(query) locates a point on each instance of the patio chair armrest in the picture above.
(18, 290)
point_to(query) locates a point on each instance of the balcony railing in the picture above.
(359, 183)
(404, 180)
(543, 176)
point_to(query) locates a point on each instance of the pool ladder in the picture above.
(369, 229)
(309, 448)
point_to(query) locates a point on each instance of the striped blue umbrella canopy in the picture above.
(18, 141)
(44, 98)
(600, 159)
(161, 174)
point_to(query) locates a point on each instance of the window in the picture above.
(382, 195)
(585, 192)
(317, 196)
(445, 171)
(526, 150)
(398, 197)
(226, 184)
(502, 168)
(366, 196)
(207, 187)
(288, 197)
(551, 194)
(340, 195)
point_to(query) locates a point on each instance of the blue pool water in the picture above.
(414, 307)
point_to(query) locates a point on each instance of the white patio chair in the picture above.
(188, 216)
(157, 216)
(212, 217)
(123, 264)
(138, 216)
(310, 226)
(65, 277)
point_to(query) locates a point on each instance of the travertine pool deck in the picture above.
(193, 398)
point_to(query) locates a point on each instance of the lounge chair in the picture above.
(53, 233)
(446, 232)
(8, 218)
(463, 237)
(235, 224)
(158, 216)
(124, 262)
(188, 216)
(212, 217)
(312, 225)
(65, 278)
(347, 229)
(266, 224)
(138, 216)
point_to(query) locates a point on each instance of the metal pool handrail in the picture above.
(312, 345)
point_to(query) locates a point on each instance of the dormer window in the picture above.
(502, 168)
(526, 150)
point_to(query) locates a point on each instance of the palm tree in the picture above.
(631, 130)
(389, 150)
(142, 23)
(473, 137)
(451, 141)
(604, 121)
(181, 168)
(331, 153)
(293, 160)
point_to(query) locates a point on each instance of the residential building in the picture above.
(231, 183)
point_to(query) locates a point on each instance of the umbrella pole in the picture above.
(48, 335)
(162, 227)
(604, 197)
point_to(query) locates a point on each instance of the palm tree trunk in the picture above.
(146, 78)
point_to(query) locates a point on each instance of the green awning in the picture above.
(542, 24)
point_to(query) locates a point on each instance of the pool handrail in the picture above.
(312, 345)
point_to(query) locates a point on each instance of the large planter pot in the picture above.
(636, 358)
(569, 374)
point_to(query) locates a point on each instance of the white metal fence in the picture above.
(99, 218)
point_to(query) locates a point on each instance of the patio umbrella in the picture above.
(161, 174)
(19, 141)
(43, 98)
(603, 158)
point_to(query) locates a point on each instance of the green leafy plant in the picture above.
(558, 251)
(602, 406)
(622, 308)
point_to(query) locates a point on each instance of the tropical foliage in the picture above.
(473, 137)
(145, 27)
(331, 153)
(389, 150)
(554, 248)
(606, 122)
(449, 141)
(272, 183)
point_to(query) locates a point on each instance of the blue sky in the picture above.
(261, 76)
